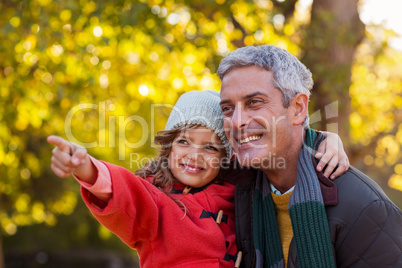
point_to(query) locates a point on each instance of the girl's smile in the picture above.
(195, 157)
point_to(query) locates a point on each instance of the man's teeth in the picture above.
(251, 138)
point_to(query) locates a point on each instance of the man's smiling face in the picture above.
(256, 122)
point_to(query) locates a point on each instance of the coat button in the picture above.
(238, 260)
(187, 190)
(219, 217)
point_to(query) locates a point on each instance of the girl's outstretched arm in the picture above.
(332, 156)
(69, 158)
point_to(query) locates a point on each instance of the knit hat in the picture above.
(200, 108)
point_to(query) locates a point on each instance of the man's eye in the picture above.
(254, 102)
(226, 109)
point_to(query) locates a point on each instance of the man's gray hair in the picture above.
(290, 76)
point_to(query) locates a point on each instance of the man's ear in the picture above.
(299, 108)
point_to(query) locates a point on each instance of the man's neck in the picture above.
(285, 178)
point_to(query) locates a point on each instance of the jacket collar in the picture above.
(329, 189)
(178, 188)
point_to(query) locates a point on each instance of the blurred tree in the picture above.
(330, 54)
(103, 74)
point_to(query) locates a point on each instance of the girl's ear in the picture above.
(299, 108)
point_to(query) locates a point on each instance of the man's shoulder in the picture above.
(365, 225)
(356, 193)
(354, 184)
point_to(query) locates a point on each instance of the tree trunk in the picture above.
(330, 43)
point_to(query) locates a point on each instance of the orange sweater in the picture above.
(284, 224)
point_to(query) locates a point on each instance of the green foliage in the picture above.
(90, 72)
(93, 71)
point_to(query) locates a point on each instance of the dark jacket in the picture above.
(365, 226)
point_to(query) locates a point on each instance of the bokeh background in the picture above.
(104, 74)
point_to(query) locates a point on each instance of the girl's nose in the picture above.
(194, 153)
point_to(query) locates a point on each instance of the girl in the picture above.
(177, 211)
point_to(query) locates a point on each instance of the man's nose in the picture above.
(239, 118)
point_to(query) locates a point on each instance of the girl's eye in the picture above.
(182, 141)
(211, 148)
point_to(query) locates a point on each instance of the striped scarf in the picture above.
(307, 214)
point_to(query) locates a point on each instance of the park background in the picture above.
(105, 74)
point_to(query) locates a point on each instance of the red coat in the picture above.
(163, 234)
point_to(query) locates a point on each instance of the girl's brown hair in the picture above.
(163, 178)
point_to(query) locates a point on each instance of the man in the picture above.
(290, 215)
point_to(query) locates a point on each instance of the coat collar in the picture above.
(329, 189)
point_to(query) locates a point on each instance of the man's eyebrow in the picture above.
(223, 102)
(254, 94)
(246, 97)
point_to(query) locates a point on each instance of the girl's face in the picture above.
(195, 156)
